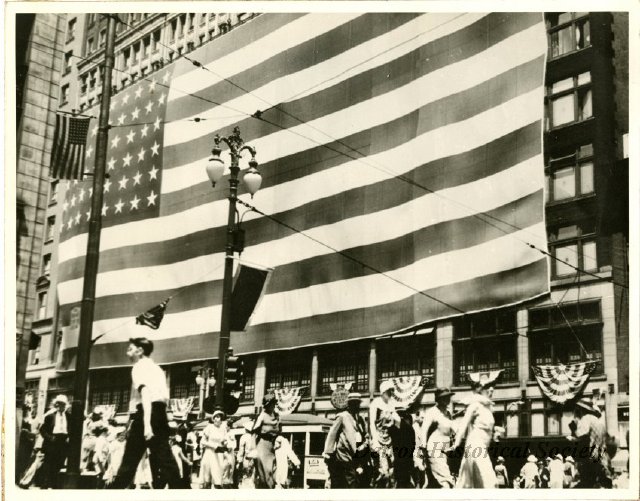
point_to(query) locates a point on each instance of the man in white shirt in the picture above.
(148, 426)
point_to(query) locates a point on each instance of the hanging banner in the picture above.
(289, 399)
(181, 407)
(485, 378)
(563, 382)
(406, 389)
(108, 411)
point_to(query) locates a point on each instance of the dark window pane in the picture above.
(590, 312)
(484, 324)
(538, 318)
(507, 321)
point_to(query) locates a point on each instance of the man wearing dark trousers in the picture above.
(54, 431)
(148, 426)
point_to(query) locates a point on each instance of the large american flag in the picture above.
(362, 103)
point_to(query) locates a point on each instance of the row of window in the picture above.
(143, 56)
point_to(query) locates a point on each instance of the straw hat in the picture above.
(569, 459)
(586, 404)
(218, 412)
(61, 399)
(532, 459)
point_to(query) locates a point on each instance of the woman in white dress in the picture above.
(437, 433)
(476, 470)
(214, 445)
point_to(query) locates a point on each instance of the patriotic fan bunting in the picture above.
(484, 377)
(289, 399)
(107, 410)
(181, 407)
(563, 382)
(406, 390)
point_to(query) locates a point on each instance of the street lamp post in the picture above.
(205, 380)
(252, 179)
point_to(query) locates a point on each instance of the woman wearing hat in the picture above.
(501, 473)
(476, 470)
(556, 470)
(529, 474)
(383, 417)
(437, 432)
(266, 429)
(213, 442)
(569, 480)
(245, 457)
(590, 432)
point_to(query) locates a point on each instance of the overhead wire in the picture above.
(259, 116)
(481, 215)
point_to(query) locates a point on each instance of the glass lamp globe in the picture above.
(252, 178)
(215, 169)
(199, 380)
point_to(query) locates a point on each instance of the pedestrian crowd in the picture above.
(402, 448)
(397, 447)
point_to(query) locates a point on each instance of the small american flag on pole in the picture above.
(153, 317)
(69, 147)
(563, 382)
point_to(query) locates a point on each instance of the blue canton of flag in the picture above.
(134, 160)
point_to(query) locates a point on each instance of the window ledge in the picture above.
(604, 274)
(571, 53)
(565, 201)
(570, 124)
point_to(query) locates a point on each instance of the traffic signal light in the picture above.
(232, 373)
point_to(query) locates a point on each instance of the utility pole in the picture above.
(72, 480)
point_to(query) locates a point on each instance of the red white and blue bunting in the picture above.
(289, 399)
(563, 382)
(181, 407)
(406, 389)
(107, 411)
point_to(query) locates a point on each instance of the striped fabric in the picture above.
(69, 147)
(406, 390)
(289, 399)
(181, 407)
(453, 102)
(563, 382)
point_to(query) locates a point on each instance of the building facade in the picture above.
(584, 318)
(39, 41)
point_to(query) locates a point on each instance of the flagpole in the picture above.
(72, 480)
